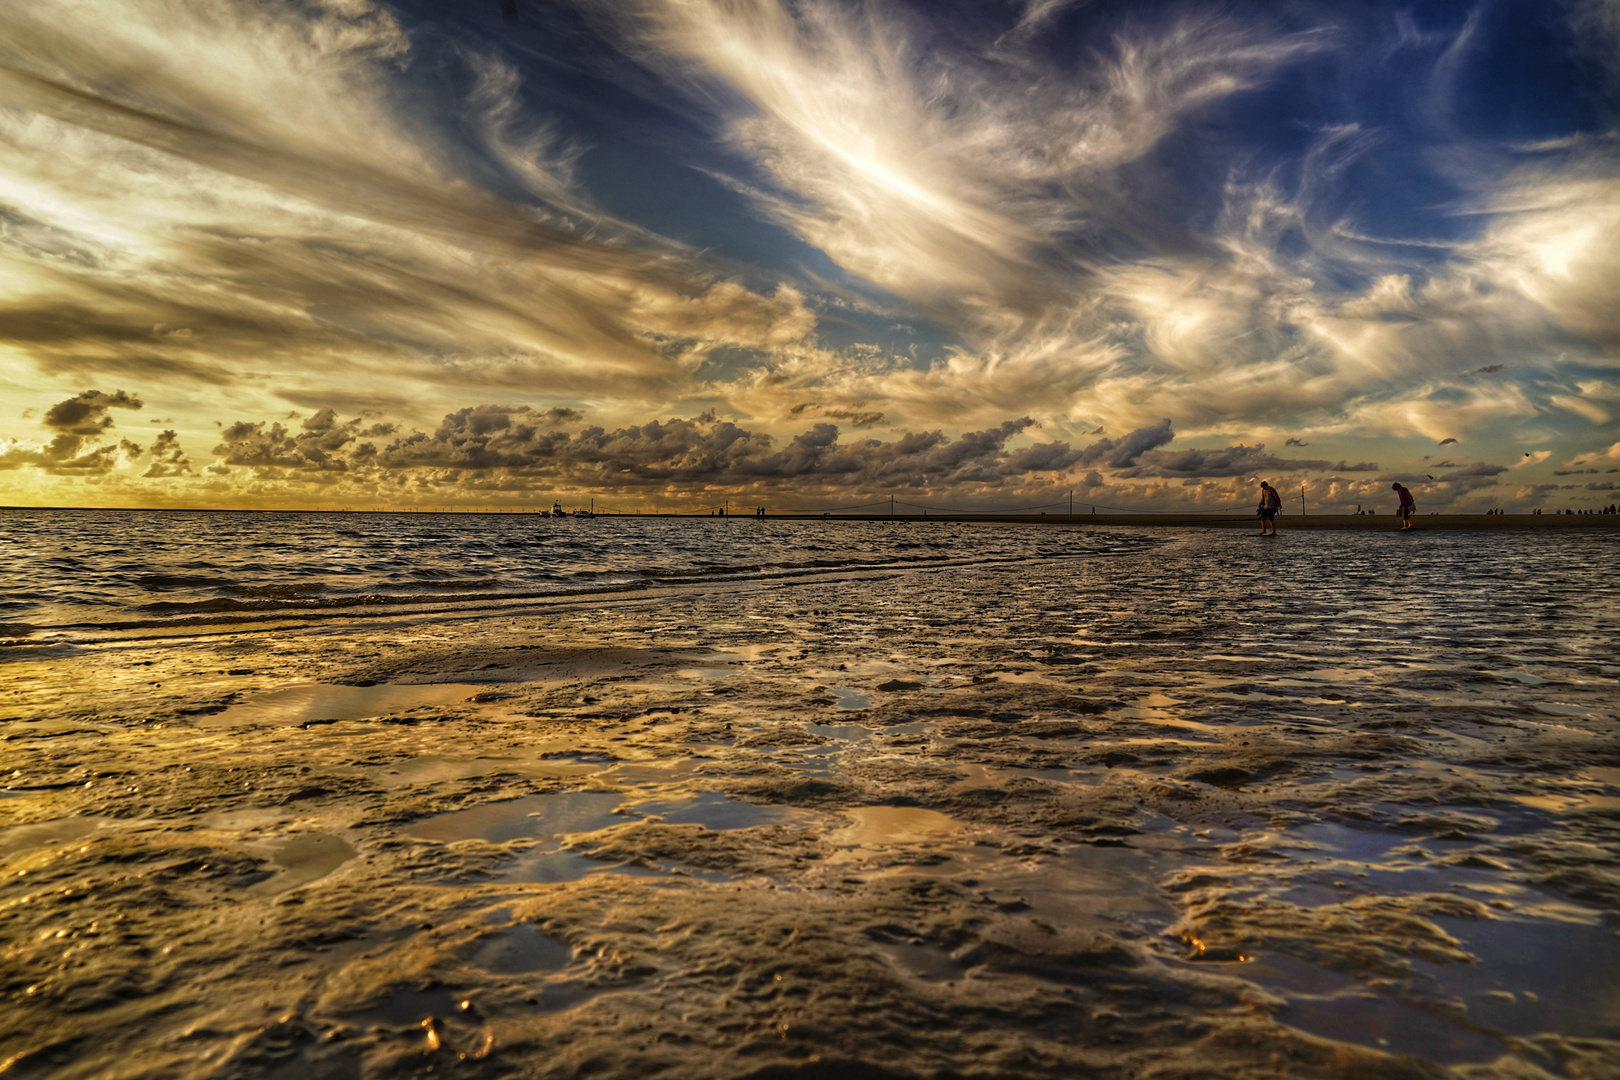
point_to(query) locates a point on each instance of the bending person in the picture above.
(1407, 507)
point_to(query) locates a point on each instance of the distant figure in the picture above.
(1270, 503)
(1408, 505)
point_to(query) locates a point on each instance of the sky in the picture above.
(662, 254)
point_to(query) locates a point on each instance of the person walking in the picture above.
(1270, 503)
(1407, 507)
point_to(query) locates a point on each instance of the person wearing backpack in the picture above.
(1270, 503)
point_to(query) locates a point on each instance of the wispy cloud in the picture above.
(973, 180)
(187, 185)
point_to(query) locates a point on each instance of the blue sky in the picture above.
(338, 252)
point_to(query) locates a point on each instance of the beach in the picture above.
(897, 799)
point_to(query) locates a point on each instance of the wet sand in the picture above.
(1318, 807)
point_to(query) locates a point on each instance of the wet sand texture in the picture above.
(1111, 817)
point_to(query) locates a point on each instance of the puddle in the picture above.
(731, 658)
(244, 820)
(304, 858)
(319, 701)
(659, 772)
(1560, 804)
(1283, 973)
(877, 826)
(49, 833)
(549, 866)
(715, 811)
(848, 698)
(706, 672)
(925, 962)
(535, 815)
(1391, 1024)
(843, 732)
(1524, 677)
(1340, 840)
(1541, 963)
(1536, 976)
(1160, 718)
(975, 775)
(521, 950)
(1091, 886)
(431, 768)
(1560, 708)
(410, 1008)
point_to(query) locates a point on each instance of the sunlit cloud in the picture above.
(264, 190)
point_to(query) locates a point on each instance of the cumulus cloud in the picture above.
(517, 446)
(86, 414)
(168, 459)
(706, 451)
(1237, 461)
(856, 416)
(75, 426)
(1459, 482)
(1123, 452)
(322, 446)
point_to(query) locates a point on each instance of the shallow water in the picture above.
(74, 573)
(1180, 804)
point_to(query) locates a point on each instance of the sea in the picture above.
(71, 573)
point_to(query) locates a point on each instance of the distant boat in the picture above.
(557, 510)
(584, 514)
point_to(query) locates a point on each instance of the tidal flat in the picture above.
(1186, 805)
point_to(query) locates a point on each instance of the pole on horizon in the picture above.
(1302, 500)
(891, 507)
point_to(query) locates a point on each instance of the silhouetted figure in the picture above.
(1408, 505)
(1270, 503)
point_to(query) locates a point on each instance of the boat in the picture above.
(583, 514)
(557, 510)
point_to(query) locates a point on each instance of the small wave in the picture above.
(201, 607)
(297, 591)
(452, 583)
(157, 582)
